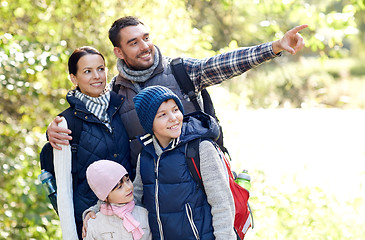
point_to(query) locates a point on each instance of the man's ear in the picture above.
(118, 53)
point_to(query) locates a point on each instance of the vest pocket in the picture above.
(189, 214)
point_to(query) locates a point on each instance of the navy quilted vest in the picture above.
(175, 203)
(97, 142)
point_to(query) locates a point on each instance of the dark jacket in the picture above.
(96, 142)
(161, 76)
(175, 203)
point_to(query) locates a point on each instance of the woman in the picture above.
(103, 136)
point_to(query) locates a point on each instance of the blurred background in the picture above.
(295, 123)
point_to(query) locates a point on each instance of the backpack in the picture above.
(187, 86)
(46, 156)
(243, 215)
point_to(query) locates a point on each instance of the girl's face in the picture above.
(167, 123)
(122, 192)
(91, 75)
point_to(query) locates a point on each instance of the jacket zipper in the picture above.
(157, 163)
(156, 200)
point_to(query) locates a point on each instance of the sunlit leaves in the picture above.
(291, 210)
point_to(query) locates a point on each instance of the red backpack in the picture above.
(242, 220)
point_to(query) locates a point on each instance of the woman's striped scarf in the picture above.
(97, 106)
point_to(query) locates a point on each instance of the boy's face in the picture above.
(122, 192)
(167, 123)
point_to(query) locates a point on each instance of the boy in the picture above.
(178, 208)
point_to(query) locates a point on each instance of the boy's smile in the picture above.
(167, 123)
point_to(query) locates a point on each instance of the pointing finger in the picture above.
(298, 28)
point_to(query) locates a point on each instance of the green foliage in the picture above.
(294, 211)
(309, 83)
(358, 70)
(25, 213)
(330, 22)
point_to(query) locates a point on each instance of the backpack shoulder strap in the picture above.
(193, 161)
(187, 86)
(184, 81)
(75, 125)
(115, 87)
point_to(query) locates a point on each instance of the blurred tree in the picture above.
(253, 22)
(358, 47)
(331, 34)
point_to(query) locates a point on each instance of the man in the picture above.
(141, 64)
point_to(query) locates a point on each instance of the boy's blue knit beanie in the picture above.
(149, 100)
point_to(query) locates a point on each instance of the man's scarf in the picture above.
(138, 76)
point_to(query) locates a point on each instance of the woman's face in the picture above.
(123, 192)
(91, 75)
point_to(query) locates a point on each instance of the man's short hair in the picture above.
(120, 24)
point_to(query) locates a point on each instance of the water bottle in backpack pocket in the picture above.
(49, 183)
(244, 180)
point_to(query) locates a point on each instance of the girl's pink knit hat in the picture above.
(103, 176)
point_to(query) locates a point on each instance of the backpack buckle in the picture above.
(73, 148)
(192, 96)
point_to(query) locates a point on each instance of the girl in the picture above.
(118, 218)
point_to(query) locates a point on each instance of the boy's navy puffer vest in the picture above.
(175, 203)
(97, 142)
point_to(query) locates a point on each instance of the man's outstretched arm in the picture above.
(56, 134)
(214, 70)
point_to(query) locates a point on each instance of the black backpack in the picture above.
(187, 86)
(46, 156)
